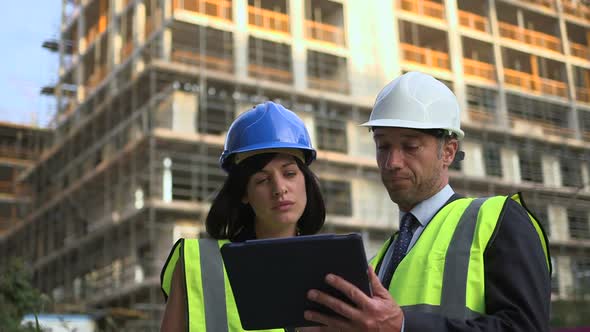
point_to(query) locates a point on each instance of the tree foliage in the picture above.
(17, 296)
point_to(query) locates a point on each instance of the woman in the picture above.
(269, 192)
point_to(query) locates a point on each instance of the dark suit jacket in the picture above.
(517, 282)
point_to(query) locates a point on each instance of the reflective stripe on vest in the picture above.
(451, 280)
(211, 304)
(214, 293)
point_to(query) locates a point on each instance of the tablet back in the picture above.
(270, 278)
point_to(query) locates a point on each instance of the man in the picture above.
(457, 264)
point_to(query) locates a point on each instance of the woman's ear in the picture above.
(245, 199)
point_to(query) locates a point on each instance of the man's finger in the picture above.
(337, 305)
(331, 321)
(356, 295)
(376, 285)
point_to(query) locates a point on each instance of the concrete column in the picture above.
(139, 34)
(510, 165)
(551, 171)
(296, 13)
(240, 14)
(559, 224)
(372, 204)
(79, 74)
(585, 170)
(474, 165)
(564, 273)
(456, 54)
(360, 141)
(502, 109)
(573, 122)
(115, 34)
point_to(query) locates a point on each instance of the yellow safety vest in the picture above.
(210, 301)
(444, 272)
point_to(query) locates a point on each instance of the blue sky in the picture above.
(24, 65)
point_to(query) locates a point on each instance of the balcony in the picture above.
(153, 22)
(583, 94)
(93, 33)
(268, 20)
(530, 37)
(538, 128)
(218, 9)
(534, 84)
(425, 57)
(13, 152)
(577, 9)
(7, 187)
(479, 70)
(194, 57)
(580, 51)
(543, 3)
(95, 78)
(473, 21)
(126, 50)
(269, 73)
(327, 84)
(423, 8)
(481, 115)
(325, 33)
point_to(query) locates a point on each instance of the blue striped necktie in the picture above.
(400, 246)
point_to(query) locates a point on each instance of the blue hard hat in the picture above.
(266, 126)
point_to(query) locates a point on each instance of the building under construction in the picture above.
(20, 145)
(147, 89)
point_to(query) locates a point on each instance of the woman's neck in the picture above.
(273, 233)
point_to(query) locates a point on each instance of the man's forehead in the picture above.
(397, 132)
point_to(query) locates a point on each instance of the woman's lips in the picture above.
(283, 205)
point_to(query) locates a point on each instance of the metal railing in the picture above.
(219, 9)
(323, 32)
(580, 51)
(423, 8)
(534, 84)
(473, 21)
(270, 73)
(479, 69)
(268, 19)
(530, 37)
(425, 56)
(576, 8)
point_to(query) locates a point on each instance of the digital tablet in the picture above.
(270, 278)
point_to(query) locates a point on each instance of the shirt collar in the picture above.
(426, 209)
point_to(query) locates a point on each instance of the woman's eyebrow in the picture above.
(288, 163)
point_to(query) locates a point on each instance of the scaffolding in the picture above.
(147, 90)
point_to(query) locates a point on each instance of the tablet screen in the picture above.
(270, 278)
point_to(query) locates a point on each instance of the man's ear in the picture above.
(449, 151)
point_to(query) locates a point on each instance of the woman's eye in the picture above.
(260, 180)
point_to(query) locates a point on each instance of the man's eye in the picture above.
(411, 147)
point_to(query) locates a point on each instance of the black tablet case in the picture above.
(270, 278)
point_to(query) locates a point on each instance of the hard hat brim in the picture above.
(410, 125)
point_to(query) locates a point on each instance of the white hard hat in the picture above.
(418, 101)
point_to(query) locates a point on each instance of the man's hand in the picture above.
(379, 313)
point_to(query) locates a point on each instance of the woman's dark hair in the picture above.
(231, 219)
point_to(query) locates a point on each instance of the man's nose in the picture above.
(395, 159)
